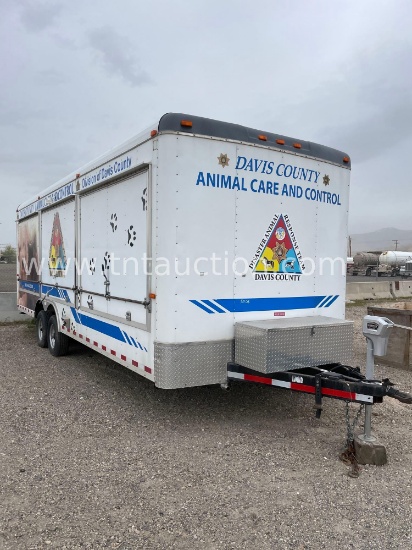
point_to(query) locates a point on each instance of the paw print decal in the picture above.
(63, 313)
(113, 222)
(105, 273)
(131, 236)
(90, 301)
(106, 263)
(144, 199)
(92, 266)
(73, 327)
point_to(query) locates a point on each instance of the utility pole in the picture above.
(396, 243)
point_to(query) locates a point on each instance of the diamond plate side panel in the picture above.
(191, 364)
(251, 347)
(275, 350)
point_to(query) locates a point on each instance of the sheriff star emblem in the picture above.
(326, 179)
(223, 160)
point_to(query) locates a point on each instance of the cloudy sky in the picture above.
(81, 77)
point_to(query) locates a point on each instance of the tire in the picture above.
(58, 342)
(42, 326)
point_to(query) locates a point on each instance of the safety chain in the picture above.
(348, 456)
(402, 326)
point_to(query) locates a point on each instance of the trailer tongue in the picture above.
(333, 380)
(302, 347)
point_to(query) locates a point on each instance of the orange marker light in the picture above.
(346, 159)
(153, 133)
(152, 296)
(280, 141)
(186, 123)
(263, 138)
(297, 146)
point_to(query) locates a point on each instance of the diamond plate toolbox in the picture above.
(281, 344)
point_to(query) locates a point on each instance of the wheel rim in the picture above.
(52, 336)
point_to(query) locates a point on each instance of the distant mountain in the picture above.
(382, 239)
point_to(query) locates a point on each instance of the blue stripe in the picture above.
(213, 306)
(99, 326)
(334, 298)
(75, 315)
(323, 302)
(26, 285)
(56, 292)
(52, 291)
(199, 304)
(127, 338)
(105, 328)
(234, 305)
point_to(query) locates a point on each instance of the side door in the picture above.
(114, 248)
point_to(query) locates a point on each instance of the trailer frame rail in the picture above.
(333, 380)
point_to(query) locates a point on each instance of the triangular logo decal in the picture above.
(278, 251)
(57, 253)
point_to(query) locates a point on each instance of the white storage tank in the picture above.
(394, 257)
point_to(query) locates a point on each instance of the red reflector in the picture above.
(153, 133)
(346, 159)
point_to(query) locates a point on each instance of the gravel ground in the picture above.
(93, 456)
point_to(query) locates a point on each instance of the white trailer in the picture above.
(196, 245)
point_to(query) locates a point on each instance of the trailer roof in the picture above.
(171, 122)
(196, 126)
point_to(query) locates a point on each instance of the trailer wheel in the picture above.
(57, 341)
(42, 327)
(368, 272)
